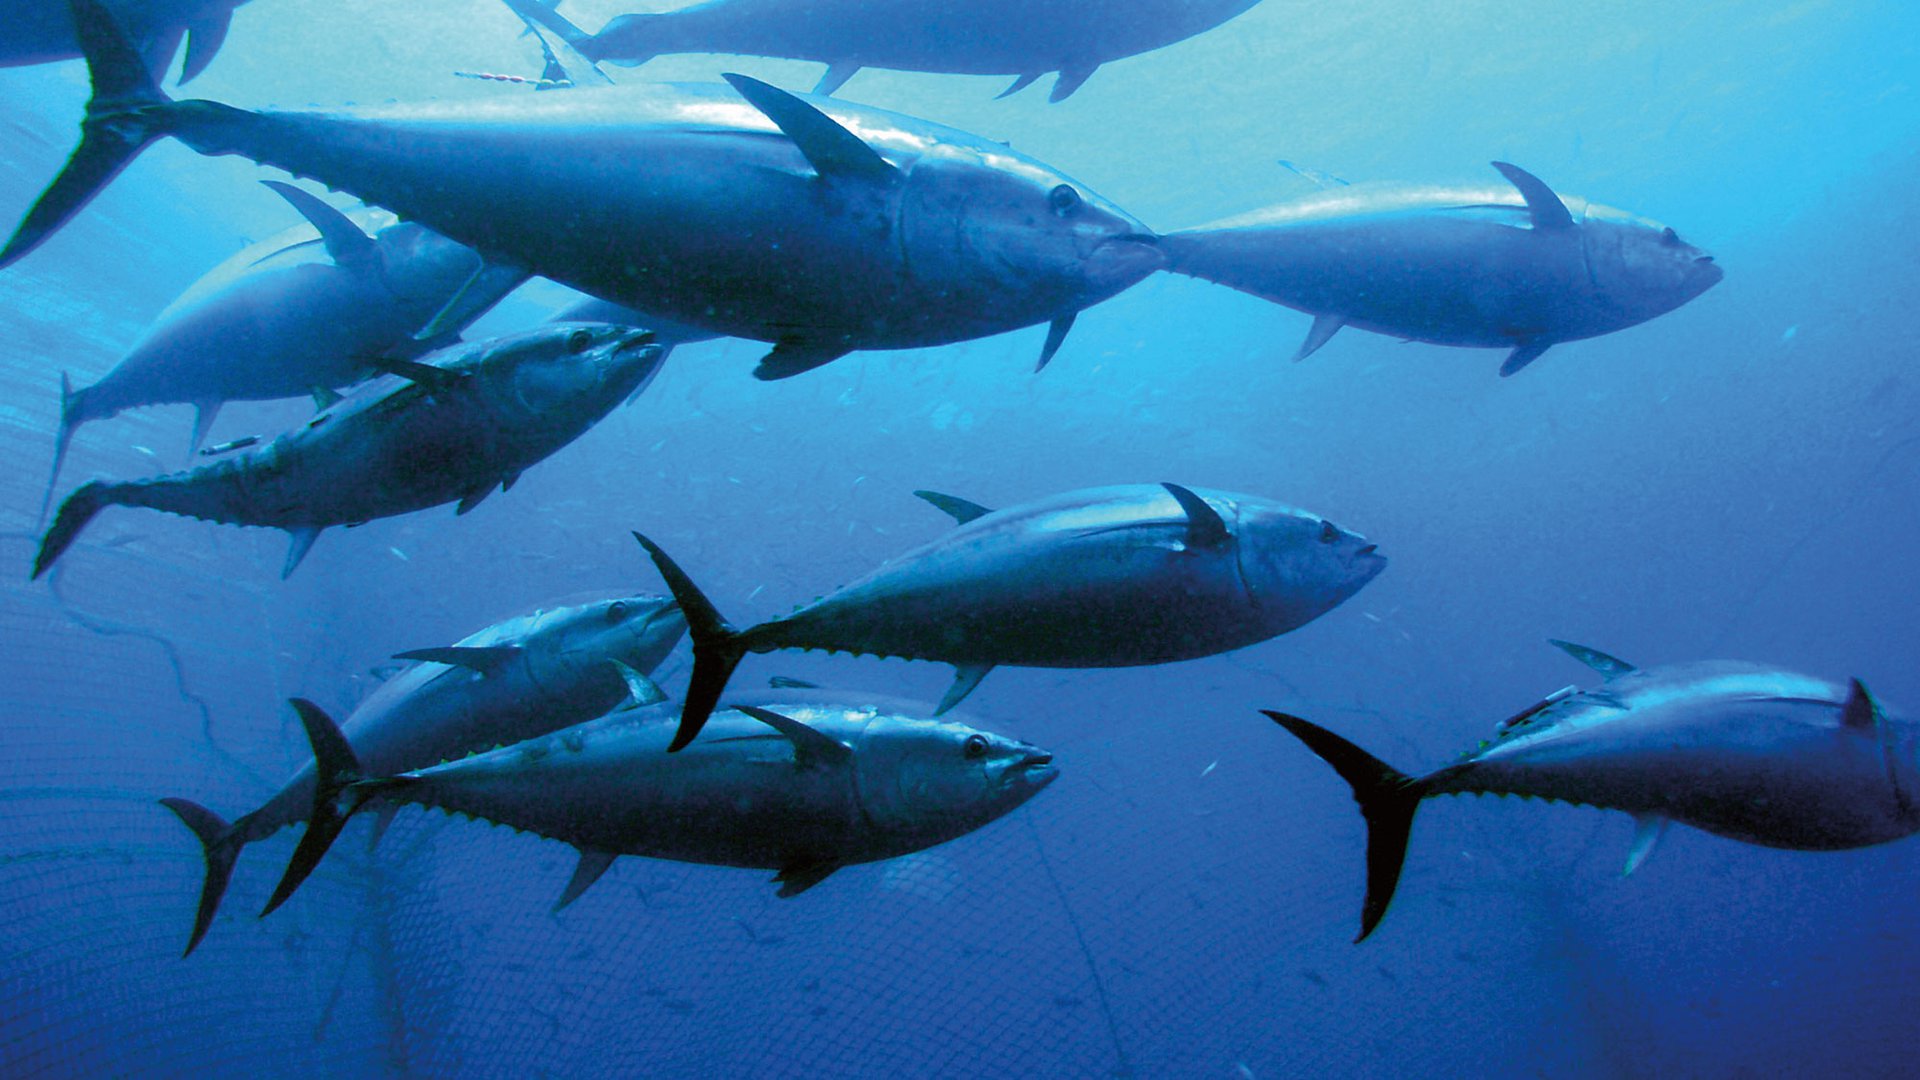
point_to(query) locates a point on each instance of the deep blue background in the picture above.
(1737, 479)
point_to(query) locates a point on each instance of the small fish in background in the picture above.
(1100, 577)
(42, 32)
(1025, 39)
(452, 431)
(1518, 268)
(802, 786)
(513, 680)
(1744, 751)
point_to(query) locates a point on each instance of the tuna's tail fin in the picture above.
(337, 794)
(221, 844)
(73, 517)
(72, 414)
(126, 113)
(1387, 798)
(717, 648)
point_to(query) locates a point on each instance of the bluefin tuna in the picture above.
(1517, 268)
(451, 430)
(514, 680)
(1025, 39)
(299, 313)
(1102, 577)
(1741, 750)
(42, 31)
(816, 225)
(802, 784)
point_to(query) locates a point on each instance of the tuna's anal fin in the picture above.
(1322, 331)
(961, 510)
(1523, 354)
(592, 864)
(203, 414)
(1206, 529)
(1611, 666)
(204, 39)
(346, 244)
(1647, 831)
(299, 542)
(836, 77)
(485, 659)
(1546, 208)
(1056, 336)
(832, 150)
(1019, 84)
(811, 748)
(1070, 80)
(641, 691)
(965, 678)
(795, 880)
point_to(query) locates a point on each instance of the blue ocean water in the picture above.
(1736, 479)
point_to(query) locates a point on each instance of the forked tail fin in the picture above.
(335, 772)
(716, 646)
(126, 113)
(221, 843)
(1388, 799)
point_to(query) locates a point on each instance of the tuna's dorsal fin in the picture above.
(962, 510)
(965, 678)
(592, 864)
(1319, 179)
(641, 690)
(1611, 666)
(489, 284)
(1548, 211)
(1523, 354)
(1205, 527)
(832, 150)
(836, 77)
(299, 542)
(203, 41)
(811, 749)
(433, 378)
(485, 659)
(346, 244)
(1861, 712)
(797, 879)
(1324, 327)
(1647, 831)
(1056, 336)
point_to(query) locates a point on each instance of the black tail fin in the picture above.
(73, 517)
(221, 844)
(125, 114)
(72, 415)
(716, 647)
(1387, 798)
(334, 768)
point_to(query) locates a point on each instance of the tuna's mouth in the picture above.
(1368, 550)
(1036, 769)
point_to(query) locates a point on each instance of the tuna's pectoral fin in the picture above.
(488, 285)
(1321, 332)
(1070, 80)
(811, 748)
(1056, 336)
(788, 682)
(1319, 179)
(221, 847)
(1206, 529)
(1388, 799)
(1647, 831)
(203, 414)
(485, 659)
(204, 39)
(836, 77)
(324, 398)
(641, 691)
(157, 53)
(592, 864)
(795, 880)
(965, 678)
(433, 378)
(346, 244)
(1611, 666)
(334, 768)
(1019, 84)
(716, 647)
(1523, 354)
(790, 357)
(299, 542)
(962, 510)
(1547, 209)
(832, 150)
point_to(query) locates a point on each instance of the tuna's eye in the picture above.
(1329, 532)
(976, 747)
(579, 341)
(1668, 236)
(1063, 199)
(616, 611)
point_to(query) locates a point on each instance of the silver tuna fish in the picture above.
(451, 431)
(1103, 577)
(802, 784)
(1517, 268)
(513, 680)
(1737, 749)
(816, 225)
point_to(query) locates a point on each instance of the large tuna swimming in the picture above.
(1104, 577)
(819, 226)
(801, 783)
(42, 31)
(1745, 751)
(274, 321)
(448, 431)
(1517, 267)
(513, 680)
(1025, 39)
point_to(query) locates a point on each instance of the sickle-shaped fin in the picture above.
(1070, 80)
(1020, 83)
(1611, 666)
(1647, 831)
(485, 659)
(1205, 527)
(832, 150)
(1523, 354)
(489, 285)
(299, 542)
(1322, 331)
(790, 357)
(203, 416)
(346, 244)
(433, 378)
(1056, 334)
(383, 816)
(811, 748)
(795, 880)
(472, 499)
(965, 678)
(836, 77)
(1322, 180)
(204, 39)
(788, 682)
(641, 691)
(1548, 211)
(592, 864)
(1861, 712)
(716, 646)
(334, 768)
(221, 844)
(324, 398)
(962, 510)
